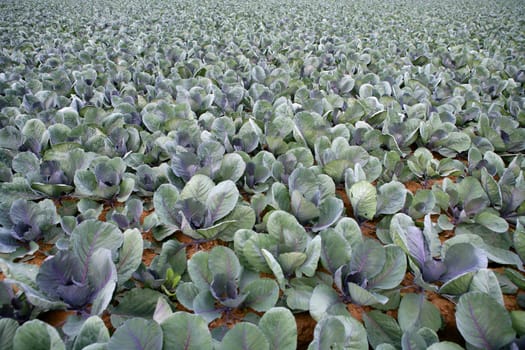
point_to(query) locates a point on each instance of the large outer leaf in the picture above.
(361, 296)
(462, 258)
(197, 188)
(90, 235)
(335, 250)
(184, 331)
(324, 300)
(485, 281)
(199, 270)
(328, 334)
(162, 311)
(368, 257)
(92, 331)
(492, 221)
(85, 182)
(130, 255)
(393, 270)
(102, 276)
(232, 167)
(519, 240)
(204, 306)
(299, 295)
(137, 334)
(273, 264)
(483, 322)
(38, 299)
(416, 312)
(262, 294)
(8, 327)
(381, 329)
(444, 345)
(244, 336)
(287, 230)
(186, 292)
(391, 198)
(313, 253)
(363, 197)
(304, 181)
(279, 327)
(302, 208)
(37, 335)
(339, 332)
(330, 210)
(138, 302)
(221, 200)
(222, 260)
(164, 200)
(241, 217)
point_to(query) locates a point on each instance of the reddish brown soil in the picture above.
(230, 319)
(305, 329)
(368, 229)
(106, 318)
(108, 207)
(447, 308)
(60, 201)
(408, 284)
(144, 214)
(147, 256)
(193, 247)
(56, 318)
(341, 193)
(357, 311)
(413, 186)
(443, 236)
(40, 255)
(511, 302)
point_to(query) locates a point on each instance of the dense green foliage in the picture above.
(279, 133)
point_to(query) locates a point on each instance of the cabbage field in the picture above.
(262, 175)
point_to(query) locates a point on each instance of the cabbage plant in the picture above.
(202, 209)
(219, 285)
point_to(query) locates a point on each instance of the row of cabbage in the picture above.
(249, 126)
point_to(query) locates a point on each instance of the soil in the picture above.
(357, 311)
(56, 318)
(449, 331)
(40, 255)
(341, 193)
(443, 236)
(511, 302)
(305, 329)
(231, 318)
(106, 318)
(194, 247)
(147, 256)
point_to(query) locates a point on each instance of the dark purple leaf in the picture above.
(60, 277)
(106, 174)
(462, 258)
(433, 270)
(185, 165)
(416, 245)
(223, 288)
